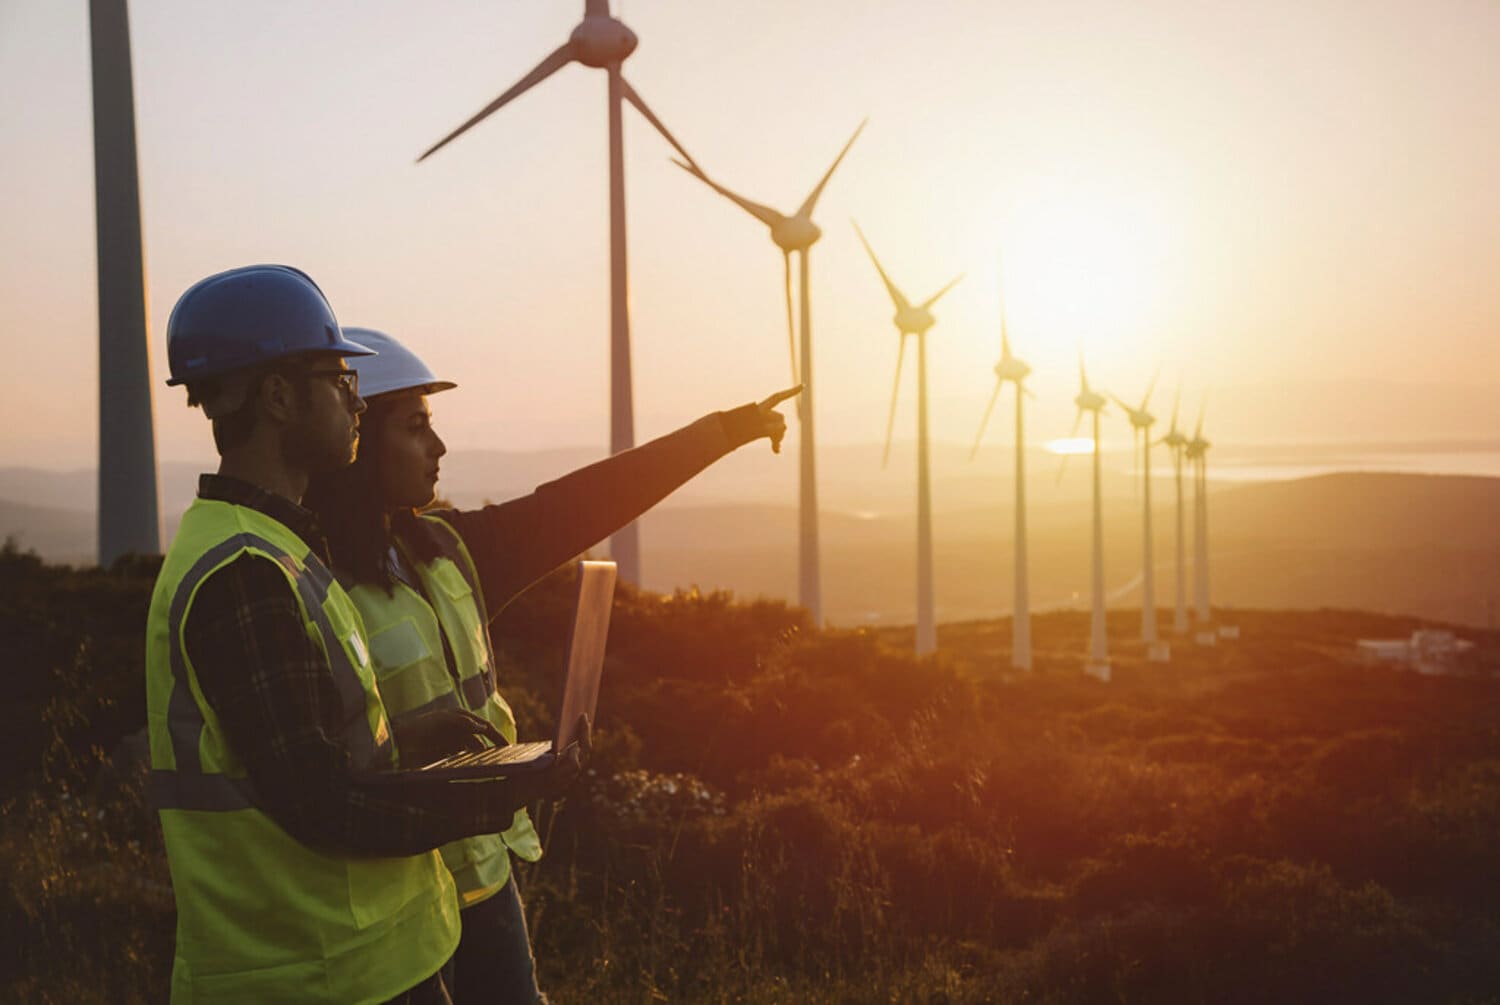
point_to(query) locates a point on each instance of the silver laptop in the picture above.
(580, 692)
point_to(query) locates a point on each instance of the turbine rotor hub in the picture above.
(795, 233)
(914, 320)
(602, 41)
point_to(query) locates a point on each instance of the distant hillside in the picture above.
(1371, 511)
(60, 535)
(1423, 545)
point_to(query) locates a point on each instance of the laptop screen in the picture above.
(596, 587)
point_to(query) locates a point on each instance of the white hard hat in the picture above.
(396, 368)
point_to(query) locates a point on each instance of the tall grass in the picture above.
(777, 814)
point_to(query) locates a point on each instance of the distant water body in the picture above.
(1282, 462)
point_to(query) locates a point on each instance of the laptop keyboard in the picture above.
(508, 754)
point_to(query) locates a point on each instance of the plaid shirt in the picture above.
(274, 695)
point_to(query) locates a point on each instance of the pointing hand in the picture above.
(775, 424)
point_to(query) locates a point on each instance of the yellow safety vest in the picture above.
(406, 645)
(261, 917)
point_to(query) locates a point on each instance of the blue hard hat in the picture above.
(393, 367)
(248, 317)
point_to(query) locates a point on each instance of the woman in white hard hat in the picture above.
(428, 585)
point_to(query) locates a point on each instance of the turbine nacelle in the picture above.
(601, 40)
(913, 319)
(1175, 439)
(1139, 417)
(1010, 368)
(795, 233)
(1090, 401)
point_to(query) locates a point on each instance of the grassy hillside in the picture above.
(776, 814)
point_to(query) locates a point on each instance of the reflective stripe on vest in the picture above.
(188, 787)
(442, 602)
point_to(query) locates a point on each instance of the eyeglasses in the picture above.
(347, 380)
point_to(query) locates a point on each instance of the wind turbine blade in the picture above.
(986, 420)
(896, 295)
(1150, 388)
(890, 423)
(1176, 403)
(812, 200)
(561, 57)
(765, 214)
(1083, 374)
(1198, 433)
(640, 106)
(1116, 399)
(936, 296)
(791, 334)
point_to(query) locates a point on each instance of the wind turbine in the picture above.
(604, 43)
(1177, 443)
(1141, 422)
(796, 233)
(1197, 452)
(915, 320)
(1015, 371)
(1090, 400)
(128, 517)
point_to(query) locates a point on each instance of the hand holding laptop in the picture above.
(431, 735)
(573, 738)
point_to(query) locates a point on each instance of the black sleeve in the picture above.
(518, 542)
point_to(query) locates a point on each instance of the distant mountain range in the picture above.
(1424, 545)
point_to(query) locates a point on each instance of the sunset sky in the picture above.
(1239, 194)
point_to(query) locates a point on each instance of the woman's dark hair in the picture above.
(358, 525)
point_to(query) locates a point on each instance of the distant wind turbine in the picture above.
(602, 42)
(1015, 371)
(1141, 422)
(1197, 453)
(1177, 442)
(129, 520)
(1090, 400)
(915, 320)
(796, 233)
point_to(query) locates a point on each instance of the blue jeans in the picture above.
(494, 961)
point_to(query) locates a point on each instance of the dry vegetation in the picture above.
(781, 815)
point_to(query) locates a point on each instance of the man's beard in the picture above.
(318, 451)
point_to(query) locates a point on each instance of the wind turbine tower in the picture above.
(796, 234)
(1014, 371)
(1141, 422)
(604, 43)
(1177, 443)
(128, 517)
(1197, 453)
(1090, 400)
(915, 320)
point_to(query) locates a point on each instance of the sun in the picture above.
(1085, 259)
(1070, 445)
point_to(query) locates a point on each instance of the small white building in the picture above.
(1429, 650)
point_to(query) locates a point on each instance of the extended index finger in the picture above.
(781, 396)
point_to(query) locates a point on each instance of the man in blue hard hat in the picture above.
(296, 877)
